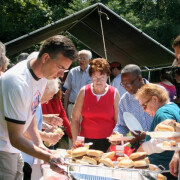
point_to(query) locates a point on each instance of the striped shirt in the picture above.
(128, 103)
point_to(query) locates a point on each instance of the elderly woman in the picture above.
(4, 61)
(97, 104)
(155, 101)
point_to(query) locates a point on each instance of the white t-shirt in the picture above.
(20, 94)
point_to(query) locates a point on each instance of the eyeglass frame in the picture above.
(144, 105)
(129, 84)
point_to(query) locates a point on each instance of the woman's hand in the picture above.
(174, 164)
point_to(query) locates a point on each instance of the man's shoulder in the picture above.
(75, 69)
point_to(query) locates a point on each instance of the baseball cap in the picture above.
(115, 65)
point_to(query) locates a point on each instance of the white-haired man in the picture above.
(76, 79)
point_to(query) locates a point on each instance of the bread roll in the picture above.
(137, 156)
(89, 160)
(79, 152)
(122, 158)
(107, 161)
(161, 177)
(94, 153)
(142, 164)
(126, 163)
(164, 127)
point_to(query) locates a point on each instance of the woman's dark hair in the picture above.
(166, 74)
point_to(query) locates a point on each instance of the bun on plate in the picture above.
(161, 177)
(80, 162)
(94, 153)
(109, 155)
(89, 160)
(142, 164)
(107, 162)
(81, 151)
(164, 127)
(137, 156)
(170, 143)
(126, 163)
(122, 158)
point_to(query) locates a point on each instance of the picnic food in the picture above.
(137, 156)
(89, 160)
(94, 153)
(170, 143)
(79, 152)
(107, 162)
(126, 163)
(161, 177)
(164, 127)
(58, 131)
(142, 164)
(122, 158)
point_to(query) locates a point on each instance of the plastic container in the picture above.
(49, 174)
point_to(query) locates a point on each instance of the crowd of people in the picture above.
(31, 107)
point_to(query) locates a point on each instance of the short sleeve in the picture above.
(16, 106)
(67, 83)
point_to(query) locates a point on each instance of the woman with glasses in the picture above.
(155, 101)
(97, 104)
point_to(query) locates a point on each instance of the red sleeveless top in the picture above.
(98, 116)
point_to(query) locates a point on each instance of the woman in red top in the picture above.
(97, 104)
(54, 106)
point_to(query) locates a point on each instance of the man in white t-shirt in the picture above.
(21, 89)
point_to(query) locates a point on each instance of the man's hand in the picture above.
(138, 136)
(53, 119)
(44, 148)
(54, 165)
(174, 164)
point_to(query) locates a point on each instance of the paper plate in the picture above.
(168, 148)
(163, 134)
(131, 122)
(124, 138)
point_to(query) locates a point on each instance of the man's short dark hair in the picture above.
(131, 69)
(58, 44)
(176, 42)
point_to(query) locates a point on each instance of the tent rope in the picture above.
(102, 31)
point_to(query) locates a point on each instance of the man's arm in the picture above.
(76, 115)
(18, 140)
(66, 99)
(52, 119)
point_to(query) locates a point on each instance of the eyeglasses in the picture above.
(144, 105)
(98, 79)
(82, 59)
(129, 84)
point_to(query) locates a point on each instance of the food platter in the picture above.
(169, 148)
(131, 122)
(124, 138)
(164, 134)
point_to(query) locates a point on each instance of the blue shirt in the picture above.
(128, 103)
(116, 83)
(168, 111)
(26, 157)
(75, 80)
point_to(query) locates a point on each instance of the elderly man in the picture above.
(116, 71)
(132, 80)
(76, 79)
(21, 89)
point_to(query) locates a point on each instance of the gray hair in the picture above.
(132, 69)
(53, 85)
(22, 57)
(86, 52)
(4, 61)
